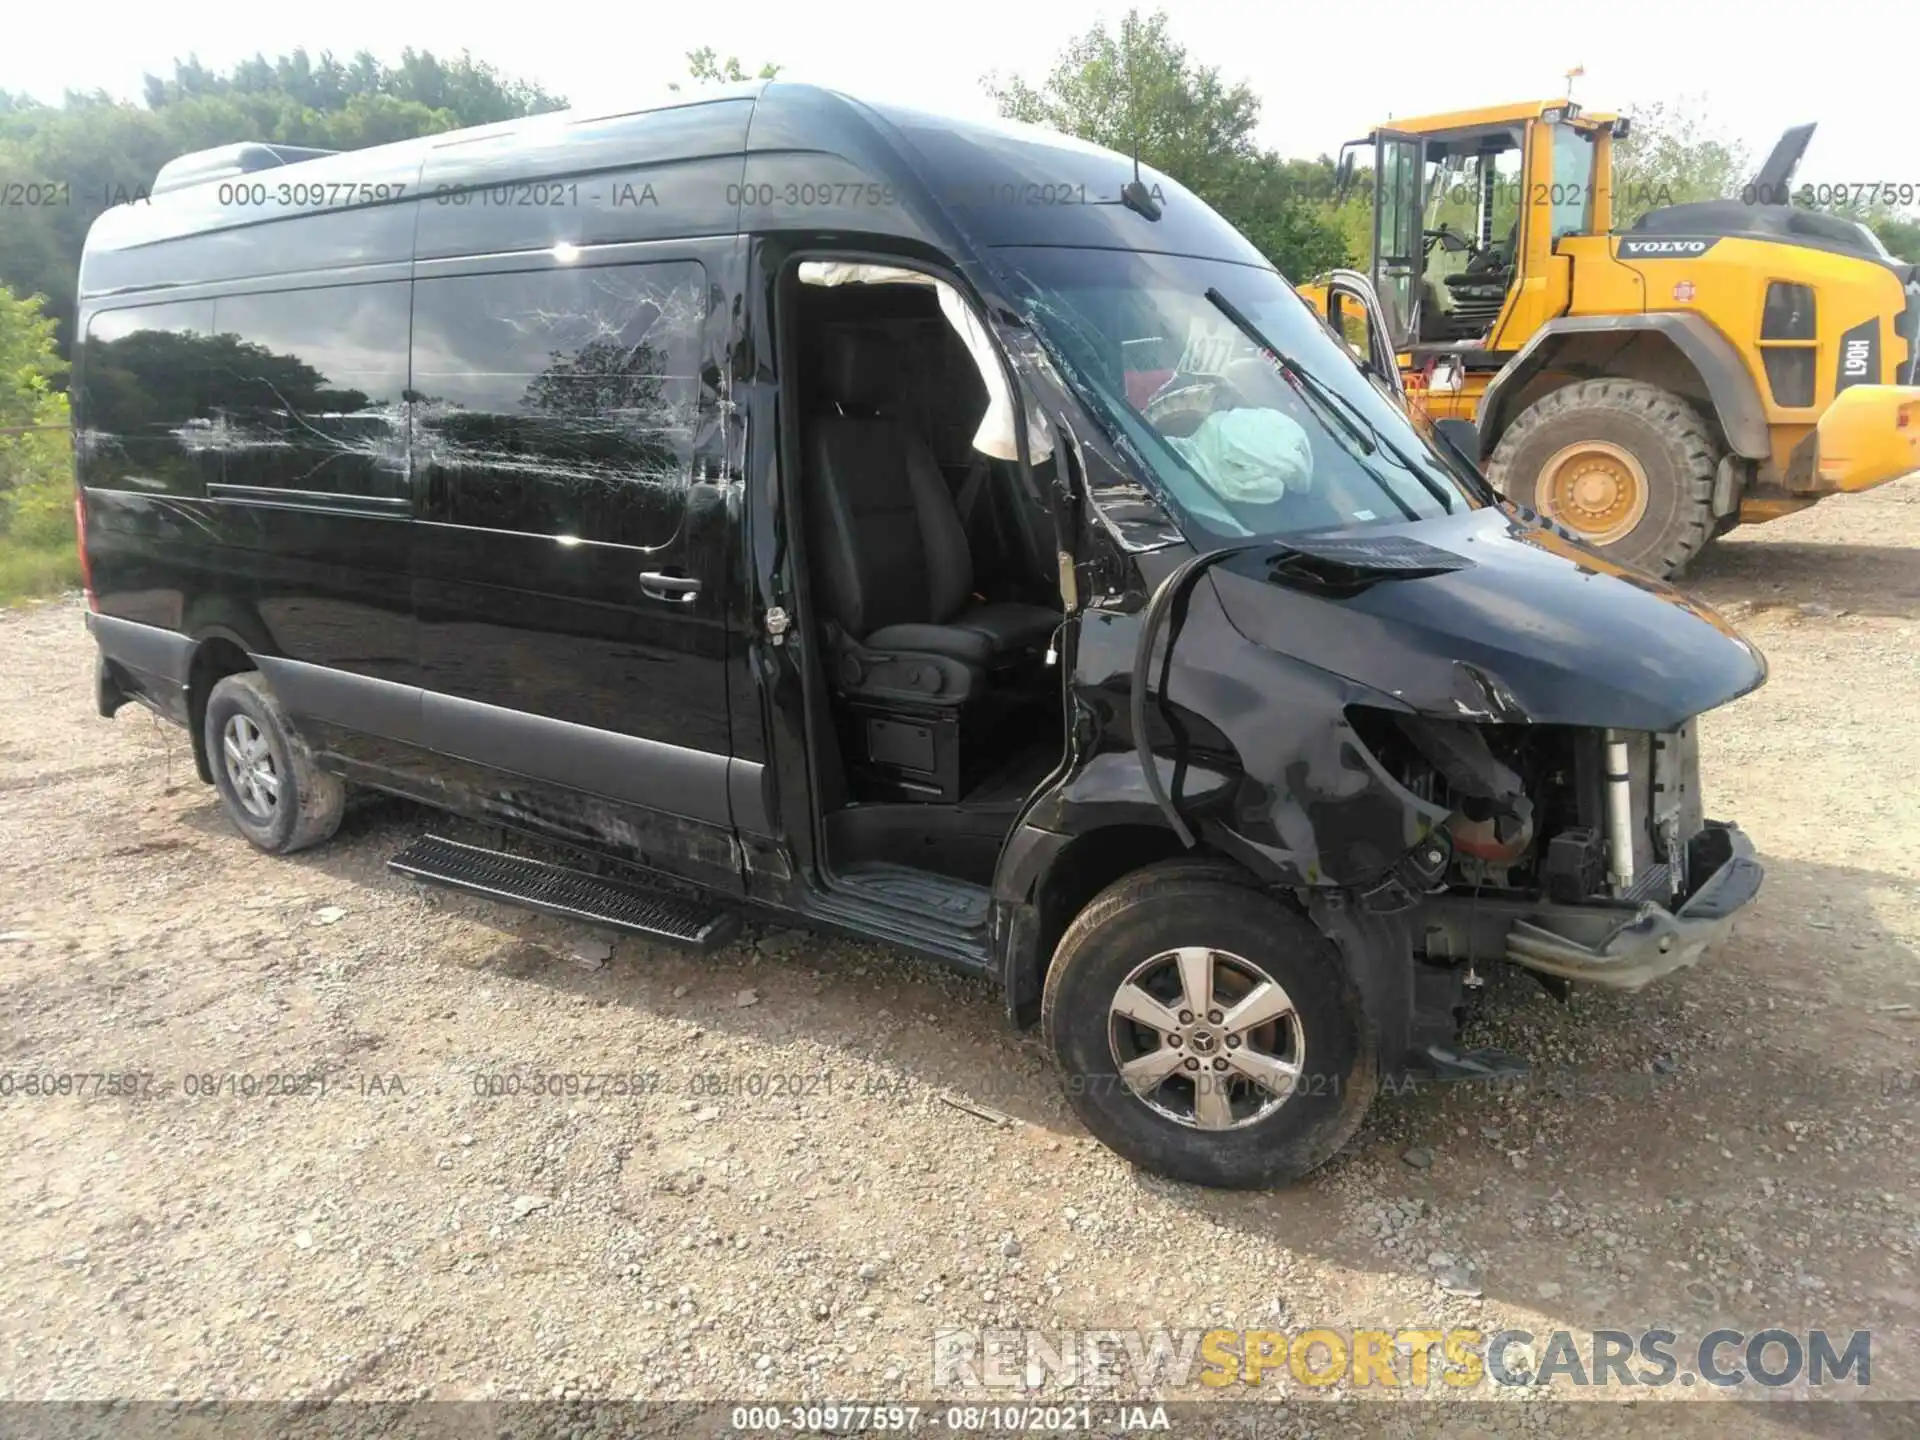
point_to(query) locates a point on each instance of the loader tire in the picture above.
(1626, 466)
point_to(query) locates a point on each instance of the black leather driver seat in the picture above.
(890, 563)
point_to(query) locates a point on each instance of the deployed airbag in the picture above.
(1249, 456)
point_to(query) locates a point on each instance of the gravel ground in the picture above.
(790, 1205)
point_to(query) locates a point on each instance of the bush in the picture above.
(40, 513)
(37, 550)
(25, 574)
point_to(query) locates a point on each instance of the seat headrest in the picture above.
(857, 366)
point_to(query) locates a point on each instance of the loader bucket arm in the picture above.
(1770, 185)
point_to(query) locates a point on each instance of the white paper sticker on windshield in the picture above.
(1364, 515)
(1211, 343)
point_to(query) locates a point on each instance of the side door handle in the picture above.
(674, 589)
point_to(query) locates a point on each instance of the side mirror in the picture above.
(1137, 197)
(1462, 437)
(1343, 177)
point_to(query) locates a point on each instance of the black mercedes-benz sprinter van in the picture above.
(949, 534)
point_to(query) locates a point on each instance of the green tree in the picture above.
(36, 457)
(706, 66)
(104, 151)
(472, 90)
(1671, 156)
(1900, 234)
(1137, 90)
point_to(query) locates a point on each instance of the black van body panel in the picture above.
(594, 449)
(585, 452)
(350, 531)
(206, 235)
(1256, 749)
(362, 711)
(1538, 630)
(426, 567)
(1251, 729)
(1016, 185)
(658, 175)
(141, 662)
(822, 163)
(326, 589)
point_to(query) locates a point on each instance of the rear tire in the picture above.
(274, 791)
(1572, 455)
(1137, 936)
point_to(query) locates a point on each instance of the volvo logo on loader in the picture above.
(1644, 249)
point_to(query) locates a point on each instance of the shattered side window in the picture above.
(305, 390)
(560, 402)
(141, 404)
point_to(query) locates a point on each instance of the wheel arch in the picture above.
(1047, 878)
(1678, 352)
(217, 653)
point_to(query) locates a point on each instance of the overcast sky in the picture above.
(1324, 72)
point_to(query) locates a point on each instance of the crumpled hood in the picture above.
(1536, 630)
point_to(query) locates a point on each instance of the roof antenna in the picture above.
(1134, 194)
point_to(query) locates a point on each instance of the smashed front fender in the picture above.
(1254, 748)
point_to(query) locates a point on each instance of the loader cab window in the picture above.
(1569, 194)
(1396, 229)
(1474, 186)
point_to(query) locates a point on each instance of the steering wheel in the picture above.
(1446, 237)
(1183, 402)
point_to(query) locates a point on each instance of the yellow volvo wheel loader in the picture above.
(1647, 389)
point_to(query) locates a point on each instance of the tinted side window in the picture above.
(307, 389)
(561, 402)
(143, 421)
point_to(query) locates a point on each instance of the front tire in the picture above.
(274, 791)
(1207, 1032)
(1626, 466)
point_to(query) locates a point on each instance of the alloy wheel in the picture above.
(1206, 1038)
(250, 768)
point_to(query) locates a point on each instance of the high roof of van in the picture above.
(755, 157)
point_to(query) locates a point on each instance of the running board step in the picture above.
(556, 890)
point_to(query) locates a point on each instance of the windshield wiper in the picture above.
(1329, 401)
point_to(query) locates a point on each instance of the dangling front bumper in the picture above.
(1612, 945)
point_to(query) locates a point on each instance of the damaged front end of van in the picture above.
(1497, 760)
(1452, 737)
(1473, 747)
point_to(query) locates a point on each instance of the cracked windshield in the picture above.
(1241, 446)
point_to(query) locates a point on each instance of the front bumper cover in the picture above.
(1599, 947)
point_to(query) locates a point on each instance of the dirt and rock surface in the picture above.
(786, 1202)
